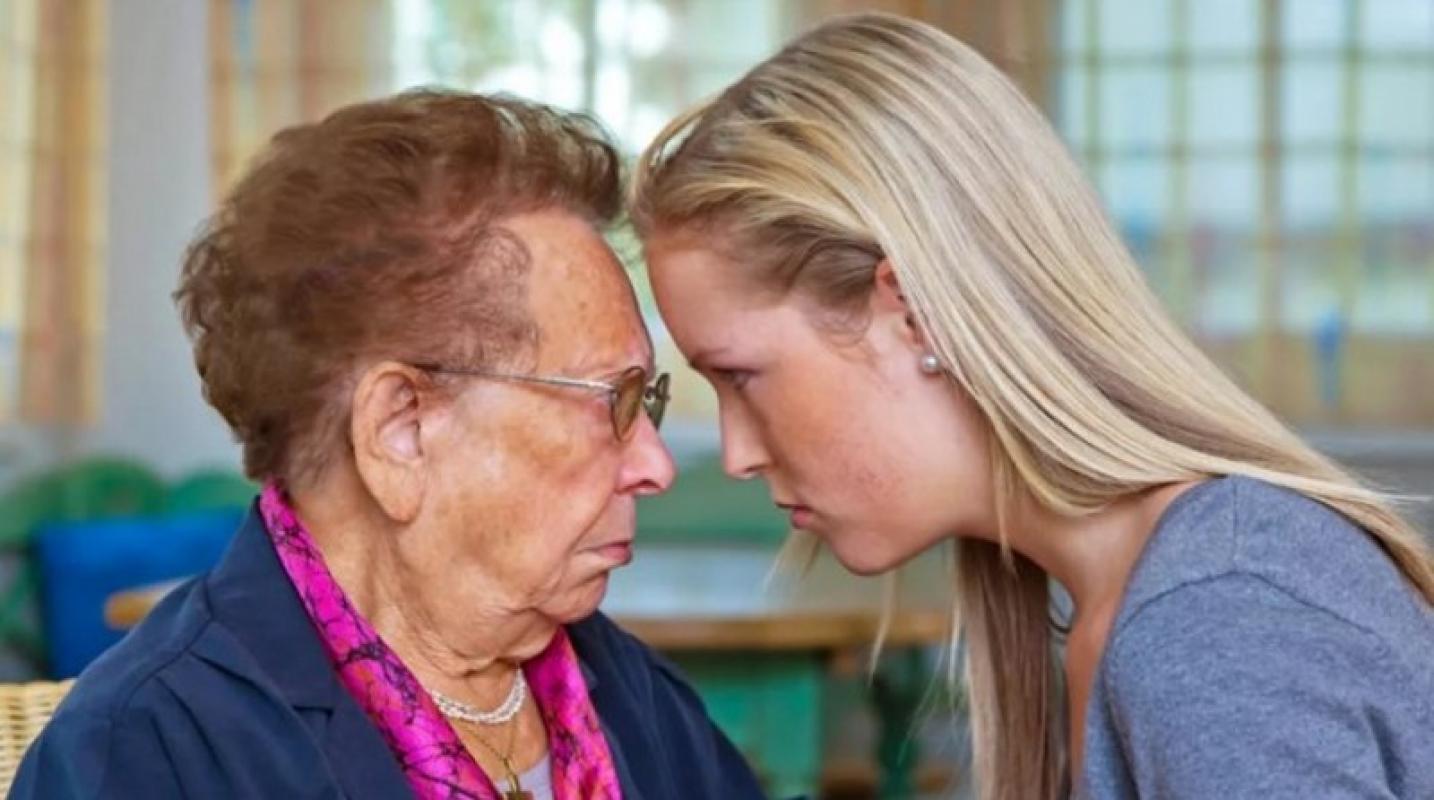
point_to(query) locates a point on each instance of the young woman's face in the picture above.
(858, 444)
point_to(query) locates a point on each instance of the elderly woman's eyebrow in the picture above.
(615, 370)
(609, 365)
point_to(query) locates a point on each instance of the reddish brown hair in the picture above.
(375, 234)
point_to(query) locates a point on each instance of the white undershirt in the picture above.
(539, 780)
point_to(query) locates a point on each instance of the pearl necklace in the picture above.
(511, 705)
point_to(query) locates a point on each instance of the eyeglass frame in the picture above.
(660, 385)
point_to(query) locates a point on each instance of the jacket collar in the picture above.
(250, 594)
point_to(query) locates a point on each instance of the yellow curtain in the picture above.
(52, 208)
(277, 63)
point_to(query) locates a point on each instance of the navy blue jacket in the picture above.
(225, 691)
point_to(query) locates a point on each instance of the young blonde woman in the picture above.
(920, 325)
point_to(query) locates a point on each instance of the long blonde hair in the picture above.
(874, 135)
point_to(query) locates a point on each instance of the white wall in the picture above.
(159, 190)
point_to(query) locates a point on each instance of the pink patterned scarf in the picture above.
(429, 752)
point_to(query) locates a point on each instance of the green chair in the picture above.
(901, 687)
(769, 704)
(109, 487)
(28, 503)
(90, 489)
(211, 490)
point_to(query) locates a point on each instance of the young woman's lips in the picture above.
(801, 516)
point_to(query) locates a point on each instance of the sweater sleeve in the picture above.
(1231, 687)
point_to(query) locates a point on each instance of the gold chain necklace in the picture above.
(510, 775)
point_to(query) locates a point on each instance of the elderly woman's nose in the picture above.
(647, 463)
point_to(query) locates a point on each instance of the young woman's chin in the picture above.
(869, 552)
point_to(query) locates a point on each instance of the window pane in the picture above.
(1396, 105)
(1310, 192)
(731, 32)
(1394, 303)
(1072, 21)
(1135, 103)
(1224, 105)
(1127, 27)
(635, 28)
(1395, 189)
(644, 123)
(1225, 192)
(1224, 26)
(612, 94)
(1313, 24)
(1071, 106)
(534, 49)
(1136, 191)
(1403, 24)
(1228, 277)
(1393, 298)
(1398, 307)
(1312, 105)
(1309, 291)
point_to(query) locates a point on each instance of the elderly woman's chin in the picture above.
(581, 599)
(586, 578)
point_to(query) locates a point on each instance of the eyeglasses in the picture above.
(626, 396)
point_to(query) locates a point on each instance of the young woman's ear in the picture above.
(887, 297)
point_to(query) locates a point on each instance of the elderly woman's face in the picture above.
(532, 494)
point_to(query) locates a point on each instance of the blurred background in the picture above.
(1270, 163)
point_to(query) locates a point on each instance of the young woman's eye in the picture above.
(736, 378)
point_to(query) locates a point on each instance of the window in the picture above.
(1271, 163)
(632, 63)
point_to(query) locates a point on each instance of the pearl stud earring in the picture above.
(930, 364)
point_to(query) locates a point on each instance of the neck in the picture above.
(1093, 556)
(469, 648)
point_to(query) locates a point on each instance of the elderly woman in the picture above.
(438, 368)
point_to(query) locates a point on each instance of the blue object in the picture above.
(226, 691)
(1329, 337)
(94, 488)
(81, 564)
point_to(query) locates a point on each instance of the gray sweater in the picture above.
(1265, 648)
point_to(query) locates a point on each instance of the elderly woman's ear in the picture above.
(386, 429)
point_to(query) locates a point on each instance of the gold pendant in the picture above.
(515, 787)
